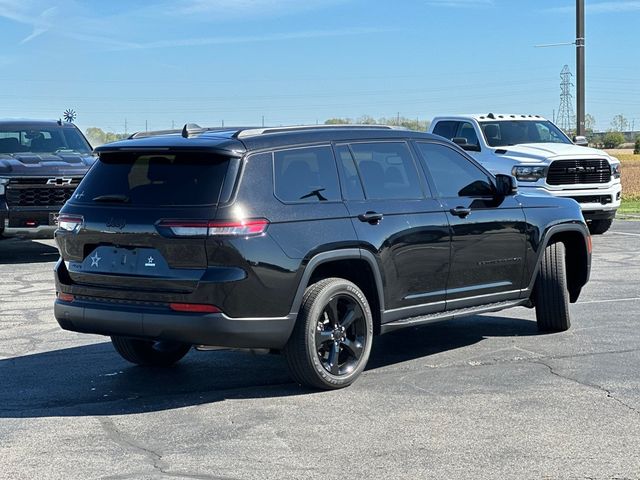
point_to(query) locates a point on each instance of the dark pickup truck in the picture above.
(41, 164)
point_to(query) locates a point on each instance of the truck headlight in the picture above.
(615, 170)
(3, 182)
(529, 174)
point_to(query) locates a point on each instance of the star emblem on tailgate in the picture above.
(95, 259)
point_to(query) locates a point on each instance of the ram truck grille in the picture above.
(571, 172)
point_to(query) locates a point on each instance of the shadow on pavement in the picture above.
(94, 380)
(32, 249)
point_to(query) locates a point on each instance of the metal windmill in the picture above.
(69, 115)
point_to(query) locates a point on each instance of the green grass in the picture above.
(630, 206)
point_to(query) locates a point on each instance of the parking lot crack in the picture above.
(153, 457)
(589, 385)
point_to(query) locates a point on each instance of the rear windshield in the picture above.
(35, 138)
(156, 179)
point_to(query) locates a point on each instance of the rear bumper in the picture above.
(214, 329)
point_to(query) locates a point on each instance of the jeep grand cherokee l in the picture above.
(41, 164)
(307, 241)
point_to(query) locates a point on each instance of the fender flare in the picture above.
(548, 234)
(331, 256)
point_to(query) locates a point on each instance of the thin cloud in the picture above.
(54, 22)
(460, 3)
(198, 42)
(224, 9)
(20, 11)
(602, 7)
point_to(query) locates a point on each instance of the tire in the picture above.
(331, 341)
(598, 227)
(148, 352)
(551, 294)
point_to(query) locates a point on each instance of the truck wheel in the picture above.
(551, 294)
(149, 353)
(597, 227)
(331, 341)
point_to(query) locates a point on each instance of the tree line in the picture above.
(612, 138)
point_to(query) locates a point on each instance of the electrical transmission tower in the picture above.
(566, 119)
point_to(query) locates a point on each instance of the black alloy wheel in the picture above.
(331, 341)
(341, 334)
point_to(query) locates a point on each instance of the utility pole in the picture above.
(580, 46)
(146, 126)
(125, 126)
(263, 120)
(580, 80)
(173, 124)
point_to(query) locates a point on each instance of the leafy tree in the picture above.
(612, 139)
(589, 123)
(97, 136)
(619, 123)
(338, 121)
(367, 120)
(412, 124)
(636, 148)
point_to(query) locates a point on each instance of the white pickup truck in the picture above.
(542, 158)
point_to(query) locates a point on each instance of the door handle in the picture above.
(461, 212)
(370, 217)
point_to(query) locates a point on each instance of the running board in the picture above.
(450, 315)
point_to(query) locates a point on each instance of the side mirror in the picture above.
(581, 141)
(506, 185)
(462, 143)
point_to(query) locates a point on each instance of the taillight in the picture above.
(203, 228)
(589, 244)
(65, 297)
(185, 229)
(243, 228)
(193, 308)
(70, 223)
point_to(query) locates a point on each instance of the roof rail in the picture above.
(252, 132)
(188, 130)
(153, 133)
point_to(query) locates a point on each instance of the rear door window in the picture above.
(446, 129)
(154, 179)
(307, 174)
(387, 170)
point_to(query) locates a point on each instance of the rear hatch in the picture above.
(136, 221)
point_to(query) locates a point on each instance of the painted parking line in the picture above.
(625, 233)
(610, 300)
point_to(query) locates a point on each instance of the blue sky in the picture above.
(302, 61)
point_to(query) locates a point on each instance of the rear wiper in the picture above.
(114, 197)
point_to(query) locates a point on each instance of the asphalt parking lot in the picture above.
(483, 397)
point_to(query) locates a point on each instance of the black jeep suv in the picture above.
(41, 164)
(304, 240)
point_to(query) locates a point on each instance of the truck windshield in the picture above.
(39, 138)
(515, 132)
